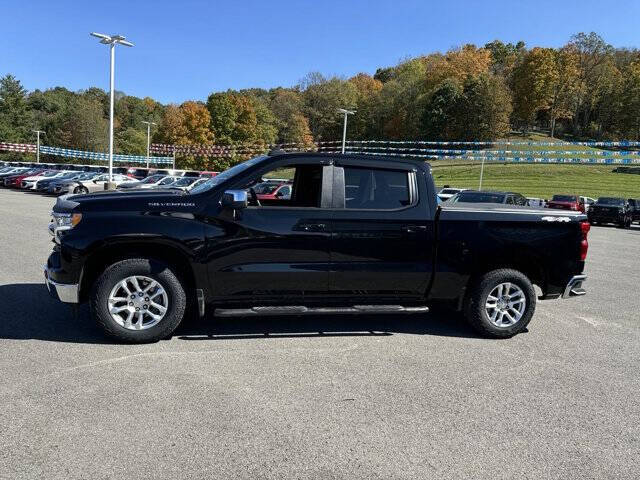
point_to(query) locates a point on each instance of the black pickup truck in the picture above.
(611, 210)
(357, 235)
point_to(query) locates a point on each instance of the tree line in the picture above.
(585, 89)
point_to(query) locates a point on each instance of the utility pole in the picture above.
(111, 40)
(38, 132)
(344, 128)
(148, 138)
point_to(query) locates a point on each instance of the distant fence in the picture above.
(83, 154)
(617, 153)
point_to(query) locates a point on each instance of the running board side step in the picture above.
(301, 310)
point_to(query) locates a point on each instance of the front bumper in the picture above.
(67, 293)
(574, 287)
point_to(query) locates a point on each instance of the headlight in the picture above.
(61, 222)
(68, 220)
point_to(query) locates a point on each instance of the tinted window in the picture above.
(610, 201)
(375, 188)
(565, 198)
(479, 197)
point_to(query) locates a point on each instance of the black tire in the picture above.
(479, 290)
(156, 270)
(80, 190)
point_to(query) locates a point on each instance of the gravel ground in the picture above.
(328, 397)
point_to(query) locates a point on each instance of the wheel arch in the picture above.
(108, 254)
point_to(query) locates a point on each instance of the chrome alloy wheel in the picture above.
(505, 305)
(138, 302)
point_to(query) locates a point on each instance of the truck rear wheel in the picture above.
(138, 301)
(500, 303)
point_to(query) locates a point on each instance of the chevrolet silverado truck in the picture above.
(357, 236)
(611, 210)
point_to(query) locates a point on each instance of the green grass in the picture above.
(539, 180)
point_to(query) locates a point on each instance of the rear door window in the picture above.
(376, 189)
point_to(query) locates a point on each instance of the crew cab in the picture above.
(611, 210)
(634, 209)
(358, 236)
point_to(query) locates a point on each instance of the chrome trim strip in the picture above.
(67, 293)
(574, 287)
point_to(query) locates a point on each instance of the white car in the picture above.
(97, 184)
(29, 183)
(588, 202)
(536, 202)
(447, 193)
(186, 183)
(165, 181)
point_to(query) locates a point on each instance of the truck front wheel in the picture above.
(500, 303)
(138, 300)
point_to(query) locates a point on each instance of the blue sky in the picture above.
(187, 49)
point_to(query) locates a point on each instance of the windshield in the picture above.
(167, 181)
(227, 174)
(610, 201)
(478, 197)
(183, 182)
(152, 179)
(564, 198)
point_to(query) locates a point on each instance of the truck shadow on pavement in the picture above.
(32, 314)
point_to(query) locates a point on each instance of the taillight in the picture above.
(584, 244)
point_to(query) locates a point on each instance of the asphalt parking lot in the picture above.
(323, 397)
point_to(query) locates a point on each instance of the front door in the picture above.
(275, 249)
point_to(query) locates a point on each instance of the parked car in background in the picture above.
(98, 183)
(207, 174)
(43, 184)
(475, 196)
(276, 192)
(29, 183)
(183, 183)
(137, 183)
(610, 210)
(189, 173)
(536, 202)
(9, 171)
(16, 180)
(447, 192)
(154, 181)
(587, 202)
(71, 185)
(634, 209)
(566, 202)
(138, 173)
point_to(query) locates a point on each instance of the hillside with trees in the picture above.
(585, 89)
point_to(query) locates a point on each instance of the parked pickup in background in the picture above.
(611, 210)
(357, 236)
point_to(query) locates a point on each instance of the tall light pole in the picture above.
(111, 40)
(38, 132)
(481, 173)
(148, 138)
(344, 128)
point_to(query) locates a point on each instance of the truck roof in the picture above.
(350, 156)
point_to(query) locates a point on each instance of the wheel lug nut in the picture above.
(146, 299)
(141, 294)
(133, 296)
(145, 307)
(137, 309)
(131, 304)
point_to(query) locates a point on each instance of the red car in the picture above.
(206, 174)
(280, 191)
(16, 180)
(566, 202)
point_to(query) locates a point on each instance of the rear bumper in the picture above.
(574, 287)
(67, 293)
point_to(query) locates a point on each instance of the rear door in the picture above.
(382, 231)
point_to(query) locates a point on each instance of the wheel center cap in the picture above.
(502, 303)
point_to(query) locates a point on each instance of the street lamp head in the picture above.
(347, 112)
(149, 123)
(111, 39)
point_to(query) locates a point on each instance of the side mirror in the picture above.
(234, 199)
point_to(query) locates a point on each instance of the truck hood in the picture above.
(142, 200)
